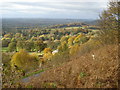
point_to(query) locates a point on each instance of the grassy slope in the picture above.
(83, 72)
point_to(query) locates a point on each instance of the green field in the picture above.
(4, 49)
(69, 28)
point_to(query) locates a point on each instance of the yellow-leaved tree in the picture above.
(70, 41)
(77, 39)
(80, 39)
(47, 54)
(63, 47)
(24, 61)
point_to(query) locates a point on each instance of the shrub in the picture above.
(74, 49)
(109, 37)
(61, 57)
(88, 46)
(49, 85)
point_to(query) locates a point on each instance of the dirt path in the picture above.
(27, 79)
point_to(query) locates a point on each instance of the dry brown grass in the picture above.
(83, 72)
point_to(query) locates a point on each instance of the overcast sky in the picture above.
(67, 9)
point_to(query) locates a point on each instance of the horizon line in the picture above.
(46, 18)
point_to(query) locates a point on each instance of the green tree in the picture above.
(13, 40)
(5, 42)
(18, 35)
(12, 46)
(20, 45)
(29, 45)
(39, 45)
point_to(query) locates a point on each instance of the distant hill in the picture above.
(69, 25)
(10, 23)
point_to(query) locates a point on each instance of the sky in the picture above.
(65, 9)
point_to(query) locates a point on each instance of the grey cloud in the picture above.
(74, 8)
(64, 5)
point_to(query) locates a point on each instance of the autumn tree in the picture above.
(18, 35)
(64, 38)
(109, 23)
(47, 54)
(70, 41)
(9, 35)
(63, 47)
(77, 39)
(47, 50)
(24, 61)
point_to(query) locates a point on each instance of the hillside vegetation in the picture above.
(72, 55)
(83, 71)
